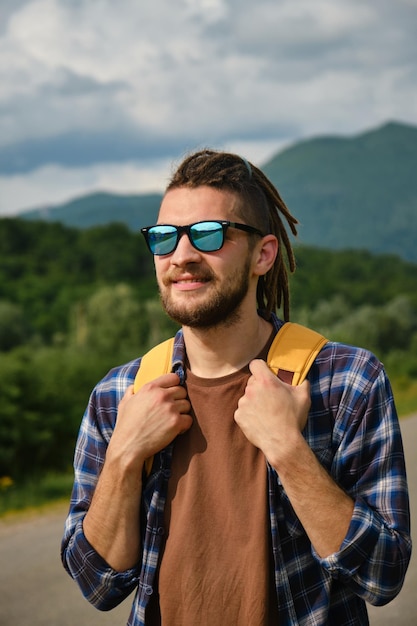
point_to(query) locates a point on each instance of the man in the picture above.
(266, 503)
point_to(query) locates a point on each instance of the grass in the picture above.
(33, 493)
(405, 394)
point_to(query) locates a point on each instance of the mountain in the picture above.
(347, 192)
(102, 208)
(358, 192)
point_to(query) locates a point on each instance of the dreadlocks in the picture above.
(261, 205)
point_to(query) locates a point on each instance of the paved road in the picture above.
(402, 611)
(36, 591)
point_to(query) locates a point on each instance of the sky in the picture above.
(104, 95)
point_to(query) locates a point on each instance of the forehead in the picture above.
(185, 205)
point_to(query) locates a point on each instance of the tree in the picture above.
(13, 326)
(111, 321)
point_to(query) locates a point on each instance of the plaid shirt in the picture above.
(354, 432)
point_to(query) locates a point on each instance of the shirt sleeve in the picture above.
(103, 587)
(369, 465)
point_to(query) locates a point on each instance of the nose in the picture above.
(185, 252)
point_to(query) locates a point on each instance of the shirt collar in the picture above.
(178, 357)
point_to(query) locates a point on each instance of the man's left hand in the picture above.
(271, 413)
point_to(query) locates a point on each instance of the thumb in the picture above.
(127, 394)
(259, 368)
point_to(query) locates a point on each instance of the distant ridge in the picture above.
(355, 192)
(102, 208)
(358, 192)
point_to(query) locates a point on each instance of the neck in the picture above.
(227, 348)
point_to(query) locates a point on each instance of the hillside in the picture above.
(98, 209)
(353, 193)
(358, 192)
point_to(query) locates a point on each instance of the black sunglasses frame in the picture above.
(180, 230)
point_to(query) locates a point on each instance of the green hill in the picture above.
(358, 192)
(98, 209)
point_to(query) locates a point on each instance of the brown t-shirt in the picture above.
(216, 567)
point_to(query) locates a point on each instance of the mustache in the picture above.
(201, 274)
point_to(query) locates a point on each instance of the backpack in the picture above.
(290, 357)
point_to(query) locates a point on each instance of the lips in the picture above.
(189, 284)
(184, 279)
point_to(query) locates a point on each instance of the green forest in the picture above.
(76, 302)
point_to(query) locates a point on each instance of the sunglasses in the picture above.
(205, 236)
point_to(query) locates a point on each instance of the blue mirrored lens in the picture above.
(207, 236)
(162, 239)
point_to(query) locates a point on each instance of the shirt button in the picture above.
(148, 590)
(161, 530)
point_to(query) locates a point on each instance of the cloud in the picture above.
(80, 148)
(85, 83)
(54, 184)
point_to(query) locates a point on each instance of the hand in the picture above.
(271, 413)
(150, 419)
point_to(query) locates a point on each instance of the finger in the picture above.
(183, 406)
(127, 394)
(304, 388)
(171, 393)
(259, 368)
(187, 422)
(167, 380)
(129, 391)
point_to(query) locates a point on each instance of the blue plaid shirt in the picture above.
(353, 430)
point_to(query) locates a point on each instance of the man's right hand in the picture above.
(149, 420)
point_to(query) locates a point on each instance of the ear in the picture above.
(264, 255)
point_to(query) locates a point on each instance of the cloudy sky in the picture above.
(99, 94)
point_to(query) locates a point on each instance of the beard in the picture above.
(221, 306)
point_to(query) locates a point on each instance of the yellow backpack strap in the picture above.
(293, 351)
(154, 363)
(290, 357)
